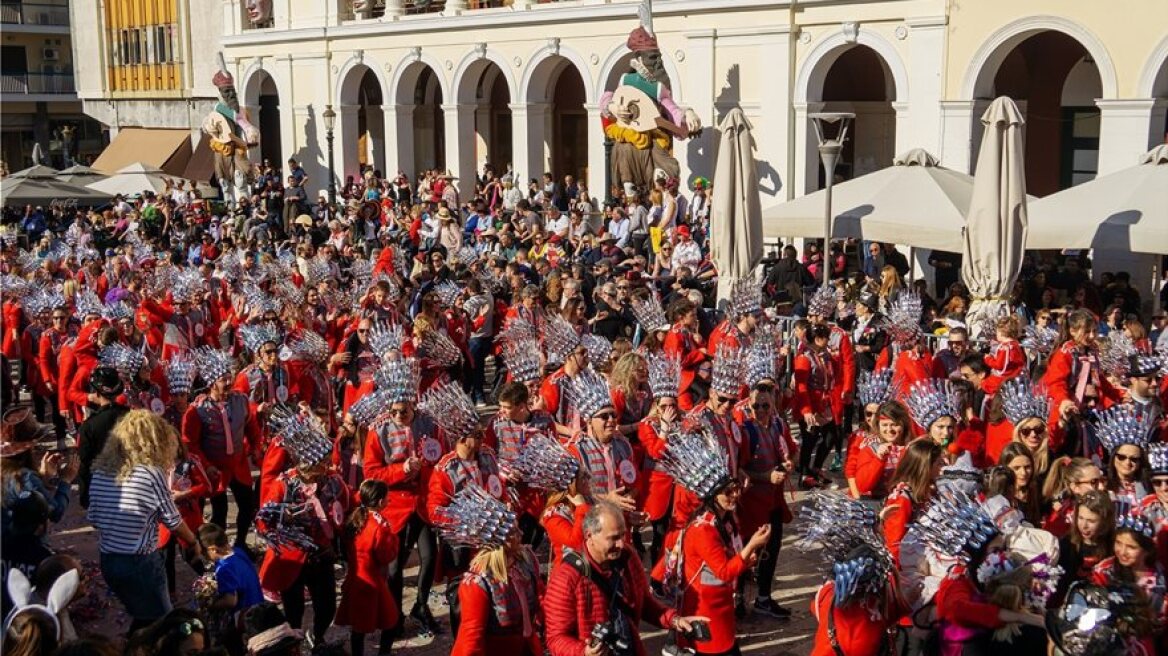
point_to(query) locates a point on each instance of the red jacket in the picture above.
(484, 605)
(712, 567)
(574, 604)
(897, 513)
(407, 491)
(959, 602)
(564, 524)
(856, 632)
(1061, 378)
(366, 601)
(1006, 360)
(681, 343)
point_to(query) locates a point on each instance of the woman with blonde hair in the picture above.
(128, 498)
(889, 287)
(629, 383)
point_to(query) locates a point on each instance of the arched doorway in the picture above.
(858, 81)
(370, 124)
(269, 121)
(559, 135)
(485, 87)
(1055, 82)
(429, 124)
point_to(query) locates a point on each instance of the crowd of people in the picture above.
(535, 397)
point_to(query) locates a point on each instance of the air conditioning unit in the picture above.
(51, 54)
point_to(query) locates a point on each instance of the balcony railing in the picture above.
(33, 13)
(38, 83)
(415, 7)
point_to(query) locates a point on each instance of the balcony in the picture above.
(37, 84)
(416, 7)
(35, 17)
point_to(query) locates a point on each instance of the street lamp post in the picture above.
(829, 152)
(330, 122)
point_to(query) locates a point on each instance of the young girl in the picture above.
(874, 389)
(1123, 431)
(190, 487)
(657, 500)
(1089, 541)
(366, 601)
(912, 487)
(1133, 565)
(1017, 458)
(1068, 479)
(877, 460)
(1006, 358)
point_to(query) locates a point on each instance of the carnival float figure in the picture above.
(640, 115)
(259, 12)
(232, 133)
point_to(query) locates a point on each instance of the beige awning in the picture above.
(201, 166)
(164, 148)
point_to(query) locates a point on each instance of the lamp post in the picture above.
(330, 122)
(829, 152)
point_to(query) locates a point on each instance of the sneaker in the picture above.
(740, 609)
(809, 483)
(768, 606)
(837, 463)
(426, 619)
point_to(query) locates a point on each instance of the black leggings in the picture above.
(420, 533)
(533, 533)
(357, 643)
(316, 575)
(172, 548)
(769, 559)
(244, 510)
(818, 440)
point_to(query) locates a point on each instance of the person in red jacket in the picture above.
(562, 344)
(815, 372)
(1074, 374)
(874, 389)
(1006, 357)
(401, 449)
(709, 556)
(220, 428)
(657, 499)
(579, 592)
(736, 329)
(606, 455)
(685, 343)
(860, 602)
(508, 434)
(912, 487)
(877, 458)
(367, 605)
(499, 598)
(843, 358)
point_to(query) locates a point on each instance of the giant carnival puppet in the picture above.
(231, 133)
(640, 115)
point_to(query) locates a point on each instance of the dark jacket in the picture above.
(94, 433)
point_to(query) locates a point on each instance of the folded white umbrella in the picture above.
(735, 222)
(1123, 211)
(134, 179)
(914, 202)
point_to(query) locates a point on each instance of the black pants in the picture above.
(244, 513)
(316, 575)
(415, 532)
(769, 559)
(172, 548)
(480, 348)
(817, 441)
(357, 643)
(533, 533)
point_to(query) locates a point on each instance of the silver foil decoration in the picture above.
(475, 519)
(955, 526)
(448, 293)
(213, 363)
(399, 379)
(727, 372)
(1124, 424)
(929, 400)
(1022, 399)
(664, 375)
(650, 314)
(181, 371)
(588, 393)
(822, 303)
(305, 345)
(303, 436)
(255, 335)
(599, 350)
(436, 346)
(372, 408)
(451, 409)
(385, 337)
(545, 464)
(127, 361)
(745, 296)
(842, 531)
(875, 387)
(523, 359)
(695, 460)
(761, 359)
(560, 339)
(904, 318)
(87, 303)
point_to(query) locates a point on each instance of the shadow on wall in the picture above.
(703, 150)
(310, 151)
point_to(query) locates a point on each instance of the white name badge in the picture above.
(156, 406)
(431, 449)
(199, 329)
(495, 486)
(282, 394)
(628, 472)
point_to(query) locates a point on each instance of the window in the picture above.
(1080, 145)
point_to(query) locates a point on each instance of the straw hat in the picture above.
(304, 220)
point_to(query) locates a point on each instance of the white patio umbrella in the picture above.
(995, 231)
(134, 179)
(1124, 211)
(914, 203)
(81, 174)
(735, 218)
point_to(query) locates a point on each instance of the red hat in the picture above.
(222, 79)
(640, 40)
(683, 231)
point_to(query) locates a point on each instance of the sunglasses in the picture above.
(398, 412)
(1031, 431)
(268, 352)
(362, 331)
(761, 406)
(1160, 482)
(604, 416)
(1119, 457)
(1093, 482)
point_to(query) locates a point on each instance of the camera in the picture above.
(699, 632)
(610, 636)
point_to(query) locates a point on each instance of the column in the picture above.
(906, 137)
(528, 134)
(926, 46)
(484, 136)
(379, 153)
(394, 8)
(460, 156)
(345, 144)
(596, 163)
(806, 149)
(771, 132)
(399, 139)
(956, 148)
(698, 155)
(454, 7)
(231, 18)
(1125, 132)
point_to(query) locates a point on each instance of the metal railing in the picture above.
(46, 83)
(34, 13)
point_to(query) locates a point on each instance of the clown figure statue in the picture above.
(231, 134)
(640, 115)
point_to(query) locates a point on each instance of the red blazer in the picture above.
(1059, 371)
(366, 601)
(712, 567)
(898, 512)
(564, 524)
(681, 343)
(959, 602)
(856, 632)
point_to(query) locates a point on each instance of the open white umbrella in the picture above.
(1124, 211)
(995, 231)
(914, 203)
(81, 174)
(735, 218)
(135, 179)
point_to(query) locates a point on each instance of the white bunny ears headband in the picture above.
(60, 595)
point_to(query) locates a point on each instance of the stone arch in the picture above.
(542, 67)
(349, 77)
(406, 74)
(261, 93)
(813, 71)
(471, 69)
(617, 62)
(1154, 78)
(983, 66)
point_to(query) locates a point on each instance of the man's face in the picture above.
(958, 345)
(268, 354)
(363, 331)
(402, 413)
(969, 374)
(607, 545)
(513, 411)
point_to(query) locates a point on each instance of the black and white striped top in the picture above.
(127, 513)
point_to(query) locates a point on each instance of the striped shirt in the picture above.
(127, 513)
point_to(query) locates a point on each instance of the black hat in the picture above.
(105, 381)
(1140, 365)
(869, 300)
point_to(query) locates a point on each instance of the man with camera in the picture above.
(606, 585)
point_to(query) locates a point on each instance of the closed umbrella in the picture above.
(996, 225)
(735, 217)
